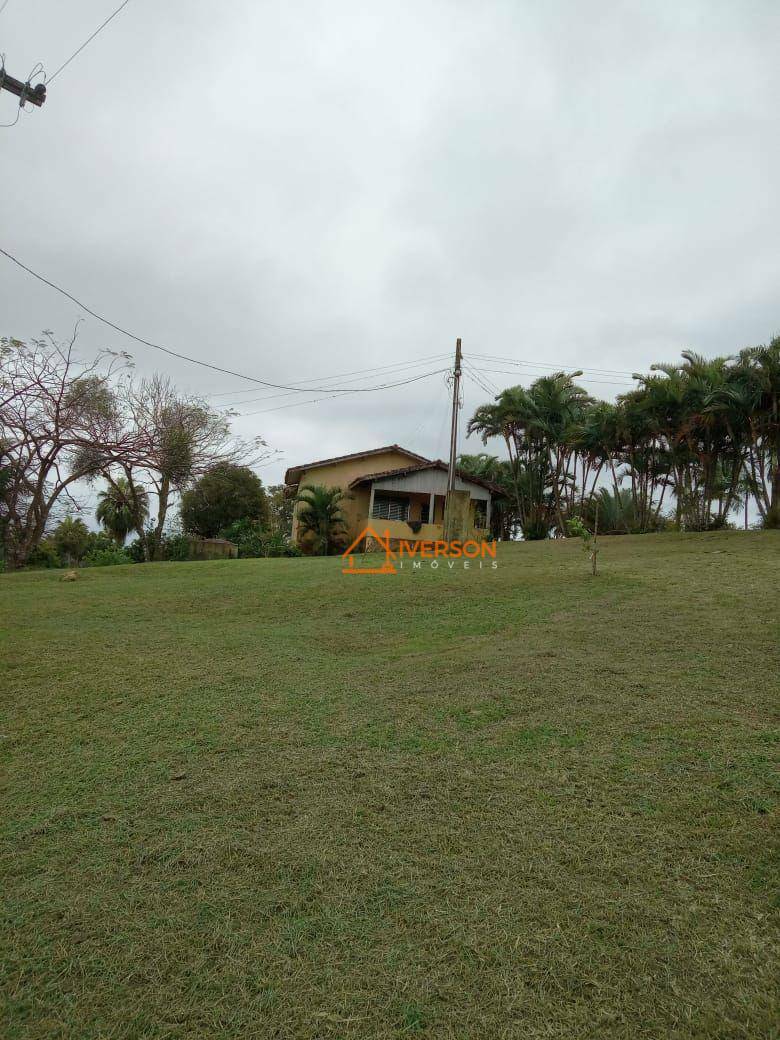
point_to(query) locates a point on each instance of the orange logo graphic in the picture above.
(368, 535)
(415, 551)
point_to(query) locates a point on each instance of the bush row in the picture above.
(103, 551)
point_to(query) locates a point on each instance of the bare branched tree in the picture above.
(177, 439)
(57, 415)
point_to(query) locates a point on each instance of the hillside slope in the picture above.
(261, 798)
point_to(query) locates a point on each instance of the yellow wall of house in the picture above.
(341, 475)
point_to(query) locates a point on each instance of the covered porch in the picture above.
(409, 504)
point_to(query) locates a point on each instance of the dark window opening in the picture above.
(390, 507)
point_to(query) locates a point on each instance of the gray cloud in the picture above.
(303, 189)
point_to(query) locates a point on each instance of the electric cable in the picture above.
(477, 378)
(196, 361)
(546, 364)
(401, 368)
(50, 79)
(340, 375)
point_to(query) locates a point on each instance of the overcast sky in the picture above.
(296, 190)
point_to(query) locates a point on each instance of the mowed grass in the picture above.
(263, 799)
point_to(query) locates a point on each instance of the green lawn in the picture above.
(253, 799)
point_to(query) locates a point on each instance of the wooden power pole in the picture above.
(35, 95)
(454, 428)
(456, 504)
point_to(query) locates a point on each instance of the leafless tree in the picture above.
(56, 415)
(63, 420)
(177, 438)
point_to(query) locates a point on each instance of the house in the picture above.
(396, 491)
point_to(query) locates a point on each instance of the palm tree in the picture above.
(513, 417)
(701, 408)
(642, 447)
(594, 436)
(760, 367)
(560, 405)
(654, 449)
(504, 520)
(320, 514)
(538, 426)
(122, 508)
(705, 431)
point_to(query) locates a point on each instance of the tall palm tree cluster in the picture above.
(687, 446)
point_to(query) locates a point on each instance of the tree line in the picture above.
(693, 442)
(63, 420)
(688, 446)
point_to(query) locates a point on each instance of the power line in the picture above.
(545, 364)
(489, 359)
(441, 439)
(430, 414)
(585, 379)
(340, 393)
(50, 79)
(400, 367)
(489, 382)
(480, 379)
(8, 126)
(273, 397)
(338, 375)
(281, 407)
(195, 361)
(472, 375)
(331, 397)
(472, 378)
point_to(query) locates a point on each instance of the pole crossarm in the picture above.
(35, 95)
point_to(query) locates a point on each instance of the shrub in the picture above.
(44, 555)
(175, 547)
(254, 542)
(276, 545)
(103, 551)
(536, 531)
(99, 541)
(617, 514)
(135, 551)
(107, 557)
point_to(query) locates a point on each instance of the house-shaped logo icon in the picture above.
(382, 540)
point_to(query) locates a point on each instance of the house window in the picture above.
(425, 513)
(480, 513)
(388, 507)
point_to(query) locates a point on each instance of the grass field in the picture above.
(261, 799)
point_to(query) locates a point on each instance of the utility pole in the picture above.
(35, 95)
(455, 408)
(456, 504)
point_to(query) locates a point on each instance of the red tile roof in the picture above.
(434, 464)
(293, 474)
